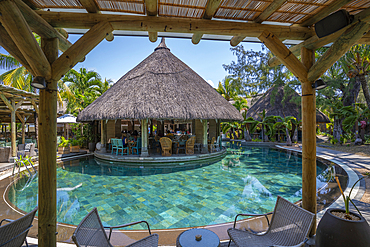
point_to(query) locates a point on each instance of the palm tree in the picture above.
(357, 60)
(287, 123)
(229, 88)
(83, 88)
(104, 86)
(241, 104)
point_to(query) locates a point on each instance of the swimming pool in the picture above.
(247, 180)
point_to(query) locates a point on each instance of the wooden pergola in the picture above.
(217, 19)
(17, 104)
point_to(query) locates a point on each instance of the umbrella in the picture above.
(65, 119)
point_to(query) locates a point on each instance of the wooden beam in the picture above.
(151, 7)
(209, 12)
(287, 57)
(90, 6)
(40, 26)
(20, 117)
(18, 29)
(236, 40)
(275, 5)
(195, 39)
(8, 44)
(324, 12)
(211, 8)
(171, 24)
(18, 105)
(153, 36)
(35, 106)
(80, 49)
(6, 101)
(110, 37)
(63, 32)
(337, 50)
(315, 42)
(308, 140)
(47, 126)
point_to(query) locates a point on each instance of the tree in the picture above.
(229, 88)
(83, 88)
(357, 62)
(252, 70)
(287, 123)
(241, 104)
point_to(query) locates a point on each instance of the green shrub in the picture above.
(63, 142)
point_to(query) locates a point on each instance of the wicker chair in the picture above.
(166, 145)
(90, 232)
(14, 233)
(290, 226)
(190, 145)
(211, 146)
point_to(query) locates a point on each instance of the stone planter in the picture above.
(75, 149)
(337, 232)
(92, 147)
(63, 150)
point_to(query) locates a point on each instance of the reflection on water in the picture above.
(247, 180)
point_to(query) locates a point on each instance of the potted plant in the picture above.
(63, 147)
(75, 146)
(343, 228)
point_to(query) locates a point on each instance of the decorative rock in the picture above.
(358, 141)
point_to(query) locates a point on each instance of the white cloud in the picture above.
(210, 83)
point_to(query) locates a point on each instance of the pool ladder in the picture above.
(31, 175)
(18, 164)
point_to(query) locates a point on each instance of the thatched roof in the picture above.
(278, 102)
(160, 87)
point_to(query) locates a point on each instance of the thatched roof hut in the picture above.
(160, 87)
(279, 102)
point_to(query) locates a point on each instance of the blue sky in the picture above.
(114, 59)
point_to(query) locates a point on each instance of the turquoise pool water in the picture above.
(247, 180)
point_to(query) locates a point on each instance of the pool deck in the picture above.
(356, 163)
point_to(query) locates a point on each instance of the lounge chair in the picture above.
(14, 233)
(190, 145)
(90, 232)
(290, 226)
(166, 145)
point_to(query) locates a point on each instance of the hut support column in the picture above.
(308, 139)
(205, 139)
(144, 138)
(103, 135)
(23, 133)
(13, 131)
(47, 158)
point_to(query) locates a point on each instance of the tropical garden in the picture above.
(76, 90)
(346, 99)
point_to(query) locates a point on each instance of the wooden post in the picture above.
(23, 133)
(308, 139)
(103, 136)
(47, 153)
(65, 131)
(144, 138)
(13, 130)
(205, 138)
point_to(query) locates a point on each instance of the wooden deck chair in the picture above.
(121, 147)
(15, 232)
(190, 145)
(290, 226)
(166, 145)
(90, 232)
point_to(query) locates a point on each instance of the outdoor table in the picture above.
(197, 237)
